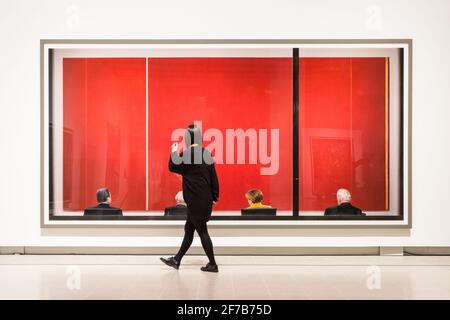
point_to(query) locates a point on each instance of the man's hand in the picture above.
(175, 147)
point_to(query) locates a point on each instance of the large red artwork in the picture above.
(110, 138)
(343, 132)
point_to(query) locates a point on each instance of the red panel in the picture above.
(104, 131)
(224, 93)
(343, 133)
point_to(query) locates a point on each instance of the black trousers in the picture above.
(189, 228)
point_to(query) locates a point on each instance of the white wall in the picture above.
(23, 23)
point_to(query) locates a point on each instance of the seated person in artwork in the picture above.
(103, 207)
(180, 209)
(344, 207)
(254, 198)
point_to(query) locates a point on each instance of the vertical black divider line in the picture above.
(402, 101)
(295, 137)
(50, 132)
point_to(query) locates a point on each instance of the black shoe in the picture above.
(210, 268)
(171, 262)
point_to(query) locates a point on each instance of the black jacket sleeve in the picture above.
(176, 167)
(214, 184)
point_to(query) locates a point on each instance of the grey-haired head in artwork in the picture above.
(103, 194)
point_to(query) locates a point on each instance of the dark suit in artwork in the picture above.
(344, 209)
(200, 190)
(177, 210)
(102, 209)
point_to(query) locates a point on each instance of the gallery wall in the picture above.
(24, 23)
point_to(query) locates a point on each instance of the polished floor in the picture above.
(240, 277)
